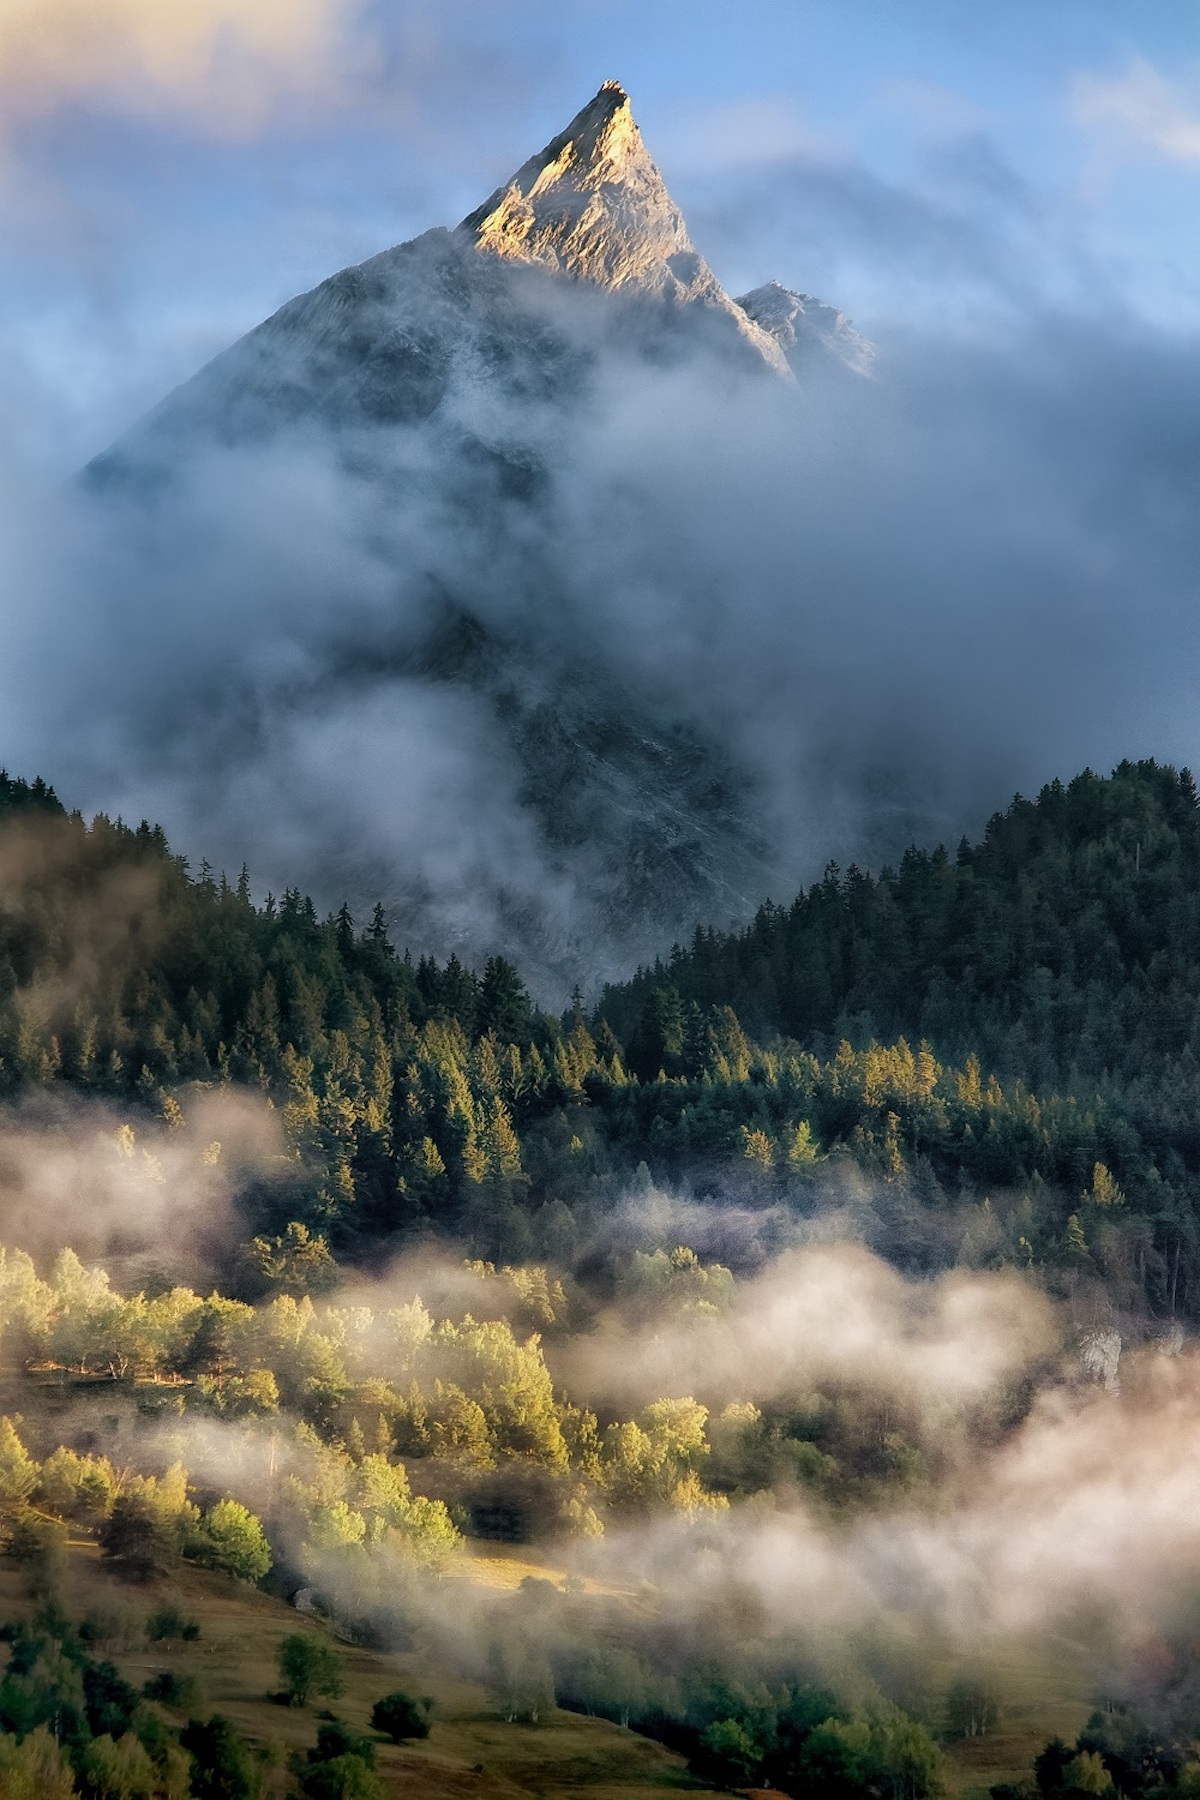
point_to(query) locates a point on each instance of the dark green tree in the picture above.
(222, 1765)
(308, 1665)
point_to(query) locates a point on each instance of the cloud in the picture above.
(961, 247)
(222, 63)
(875, 609)
(764, 625)
(932, 110)
(1141, 112)
(158, 1198)
(829, 1313)
(1047, 1498)
(736, 134)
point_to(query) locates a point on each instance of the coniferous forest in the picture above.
(1005, 1039)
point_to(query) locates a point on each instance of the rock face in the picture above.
(1100, 1359)
(593, 205)
(443, 383)
(805, 328)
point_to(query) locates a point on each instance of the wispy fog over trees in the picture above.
(378, 1264)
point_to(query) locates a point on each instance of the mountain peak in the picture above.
(594, 205)
(806, 328)
(591, 204)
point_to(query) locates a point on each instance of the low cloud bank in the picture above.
(782, 625)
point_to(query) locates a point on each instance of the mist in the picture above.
(153, 1200)
(1050, 1505)
(962, 1491)
(876, 607)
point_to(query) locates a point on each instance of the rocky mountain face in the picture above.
(594, 206)
(806, 329)
(444, 380)
(389, 342)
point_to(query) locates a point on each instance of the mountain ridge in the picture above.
(378, 342)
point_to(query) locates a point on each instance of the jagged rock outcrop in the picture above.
(805, 328)
(594, 206)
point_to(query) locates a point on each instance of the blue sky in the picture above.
(927, 164)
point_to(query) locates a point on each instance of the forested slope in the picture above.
(1002, 1041)
(1063, 948)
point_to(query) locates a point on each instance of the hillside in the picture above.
(1063, 948)
(758, 1352)
(1010, 1025)
(471, 1748)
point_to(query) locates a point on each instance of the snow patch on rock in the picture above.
(804, 327)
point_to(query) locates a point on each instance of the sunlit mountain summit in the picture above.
(442, 390)
(594, 206)
(390, 340)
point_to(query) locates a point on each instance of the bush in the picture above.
(399, 1716)
(335, 1738)
(116, 1768)
(728, 1756)
(40, 1547)
(78, 1487)
(111, 1703)
(344, 1778)
(972, 1709)
(40, 1688)
(35, 1769)
(30, 1537)
(171, 1689)
(342, 1765)
(167, 1621)
(308, 1665)
(135, 1537)
(101, 1624)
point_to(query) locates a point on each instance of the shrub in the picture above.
(40, 1547)
(222, 1767)
(728, 1755)
(335, 1738)
(111, 1703)
(167, 1622)
(36, 1769)
(171, 1689)
(972, 1709)
(18, 1471)
(118, 1769)
(399, 1716)
(136, 1538)
(78, 1487)
(104, 1624)
(344, 1778)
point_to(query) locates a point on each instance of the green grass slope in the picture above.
(471, 1749)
